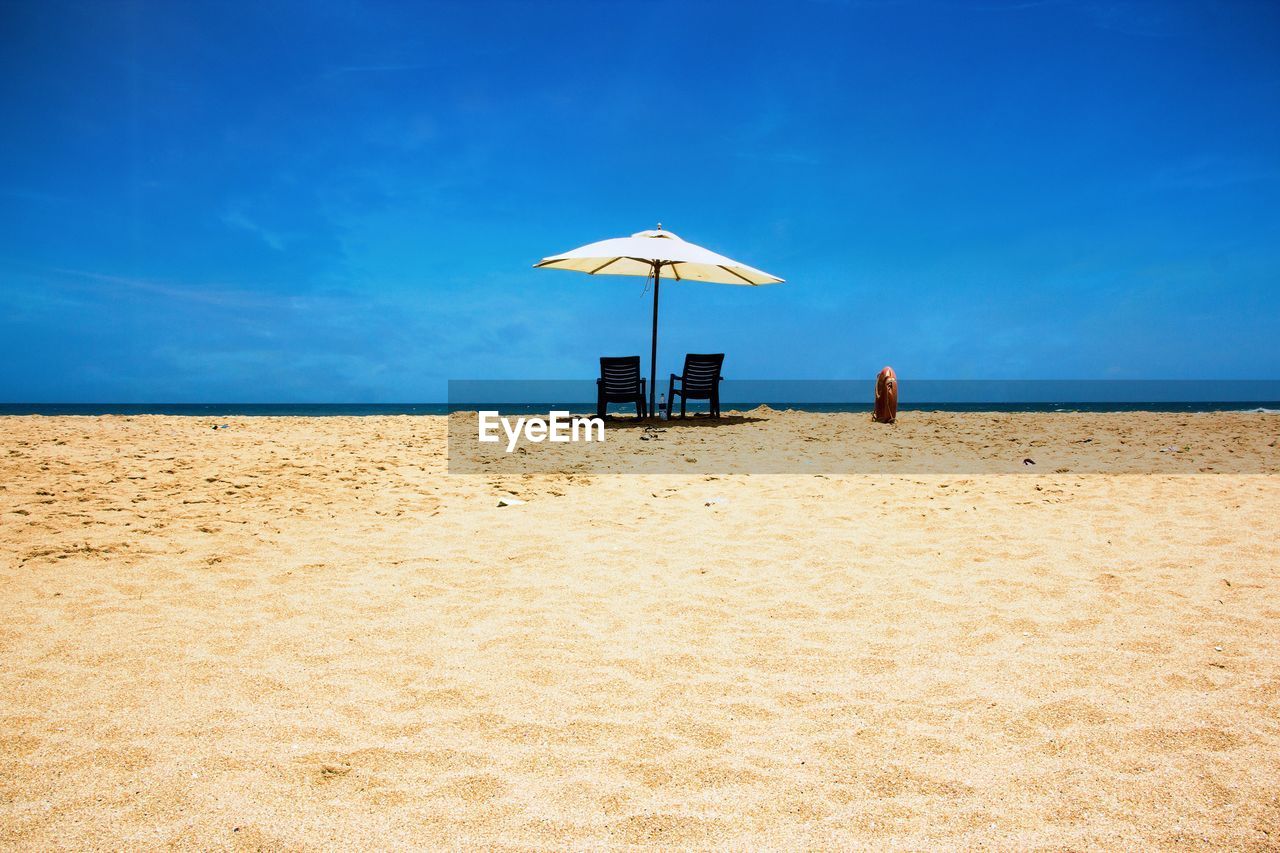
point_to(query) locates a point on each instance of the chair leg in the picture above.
(600, 405)
(683, 403)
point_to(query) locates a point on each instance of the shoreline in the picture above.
(257, 410)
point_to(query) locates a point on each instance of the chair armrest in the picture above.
(643, 383)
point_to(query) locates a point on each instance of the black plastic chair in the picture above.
(620, 382)
(700, 381)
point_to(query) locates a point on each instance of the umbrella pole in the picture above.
(653, 350)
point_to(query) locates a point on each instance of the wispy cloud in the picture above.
(205, 294)
(236, 219)
(801, 158)
(36, 196)
(1211, 172)
(418, 60)
(377, 68)
(1153, 20)
(1017, 5)
(1131, 17)
(864, 4)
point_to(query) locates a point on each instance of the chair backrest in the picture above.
(701, 371)
(620, 375)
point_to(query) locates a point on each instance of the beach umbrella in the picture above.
(654, 254)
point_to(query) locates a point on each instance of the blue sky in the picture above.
(337, 202)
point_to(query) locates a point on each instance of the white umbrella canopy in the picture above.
(637, 255)
(648, 253)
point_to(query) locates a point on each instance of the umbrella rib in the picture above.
(731, 272)
(602, 266)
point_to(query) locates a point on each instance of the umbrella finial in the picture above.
(659, 226)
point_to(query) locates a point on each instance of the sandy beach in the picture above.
(305, 633)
